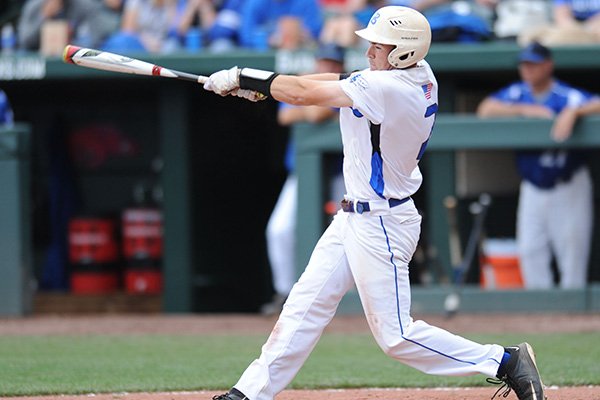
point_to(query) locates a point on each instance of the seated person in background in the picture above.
(512, 17)
(197, 16)
(114, 10)
(224, 33)
(464, 21)
(352, 16)
(147, 26)
(575, 22)
(281, 228)
(280, 24)
(555, 211)
(85, 23)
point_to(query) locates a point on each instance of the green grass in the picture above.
(35, 365)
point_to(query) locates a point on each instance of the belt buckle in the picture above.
(360, 208)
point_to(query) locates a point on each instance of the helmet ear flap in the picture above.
(398, 58)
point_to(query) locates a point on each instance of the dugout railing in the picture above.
(167, 114)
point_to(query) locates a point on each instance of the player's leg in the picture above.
(533, 242)
(310, 307)
(571, 227)
(280, 235)
(378, 251)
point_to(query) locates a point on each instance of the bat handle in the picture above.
(202, 79)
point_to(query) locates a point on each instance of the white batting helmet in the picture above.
(404, 27)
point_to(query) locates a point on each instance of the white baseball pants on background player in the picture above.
(371, 251)
(555, 221)
(281, 237)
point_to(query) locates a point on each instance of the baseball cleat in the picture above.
(233, 394)
(521, 374)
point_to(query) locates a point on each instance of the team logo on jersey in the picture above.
(360, 81)
(427, 90)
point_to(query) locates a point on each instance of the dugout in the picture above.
(219, 162)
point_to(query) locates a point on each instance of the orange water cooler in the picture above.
(500, 265)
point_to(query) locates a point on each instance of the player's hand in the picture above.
(247, 94)
(564, 124)
(223, 82)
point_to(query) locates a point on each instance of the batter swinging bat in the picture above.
(103, 60)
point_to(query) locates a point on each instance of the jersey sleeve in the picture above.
(509, 94)
(579, 97)
(366, 93)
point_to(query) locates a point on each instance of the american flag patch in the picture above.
(427, 90)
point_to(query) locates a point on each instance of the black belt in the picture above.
(362, 206)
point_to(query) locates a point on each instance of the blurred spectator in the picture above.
(575, 22)
(197, 16)
(352, 16)
(281, 237)
(147, 26)
(82, 22)
(6, 113)
(280, 24)
(459, 21)
(555, 211)
(512, 17)
(224, 33)
(451, 21)
(114, 10)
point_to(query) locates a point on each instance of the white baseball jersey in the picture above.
(384, 135)
(403, 103)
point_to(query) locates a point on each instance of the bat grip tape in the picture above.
(257, 80)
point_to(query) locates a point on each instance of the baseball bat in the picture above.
(450, 204)
(479, 211)
(106, 61)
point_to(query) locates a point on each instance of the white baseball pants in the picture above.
(370, 251)
(555, 221)
(281, 237)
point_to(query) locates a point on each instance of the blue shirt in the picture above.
(545, 168)
(582, 9)
(260, 17)
(6, 114)
(228, 21)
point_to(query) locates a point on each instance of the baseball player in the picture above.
(386, 119)
(554, 216)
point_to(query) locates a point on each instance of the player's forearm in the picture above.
(318, 114)
(292, 90)
(329, 76)
(563, 16)
(494, 108)
(291, 115)
(593, 107)
(313, 114)
(306, 92)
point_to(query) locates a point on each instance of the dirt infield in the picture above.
(572, 393)
(241, 324)
(247, 323)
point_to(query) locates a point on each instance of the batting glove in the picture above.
(223, 82)
(251, 95)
